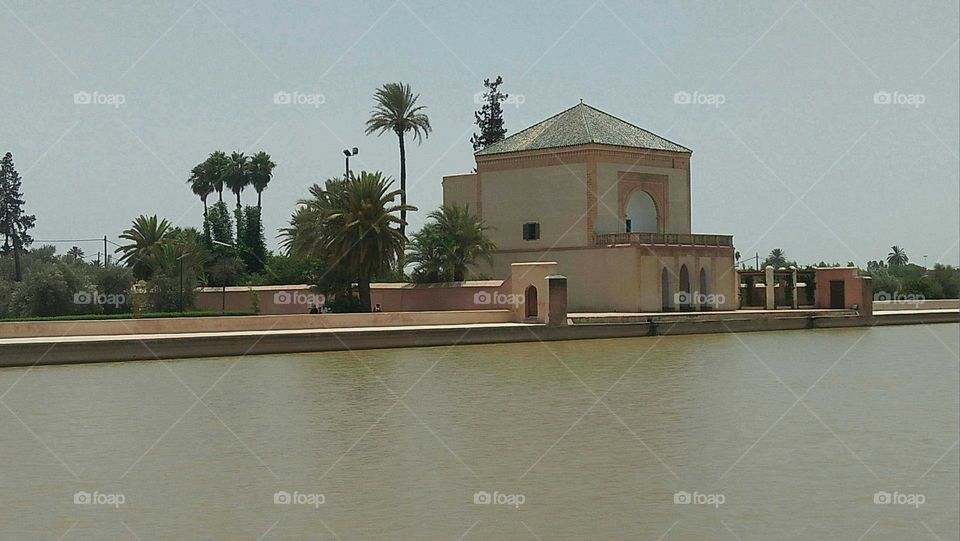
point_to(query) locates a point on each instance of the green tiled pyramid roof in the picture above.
(581, 125)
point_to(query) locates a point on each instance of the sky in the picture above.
(828, 129)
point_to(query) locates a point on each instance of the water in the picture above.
(580, 440)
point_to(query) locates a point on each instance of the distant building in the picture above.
(610, 203)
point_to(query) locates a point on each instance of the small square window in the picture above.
(531, 231)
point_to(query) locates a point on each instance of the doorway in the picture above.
(530, 301)
(836, 294)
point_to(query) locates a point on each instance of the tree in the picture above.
(395, 109)
(490, 116)
(897, 257)
(444, 248)
(219, 227)
(260, 172)
(147, 237)
(352, 226)
(201, 184)
(253, 247)
(14, 224)
(236, 175)
(777, 259)
(216, 166)
(75, 253)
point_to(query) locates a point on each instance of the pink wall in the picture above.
(296, 299)
(852, 288)
(471, 295)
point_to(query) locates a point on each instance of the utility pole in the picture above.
(104, 251)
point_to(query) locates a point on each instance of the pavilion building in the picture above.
(610, 203)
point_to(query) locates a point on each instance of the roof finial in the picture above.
(581, 101)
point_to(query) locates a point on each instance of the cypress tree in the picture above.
(14, 224)
(490, 116)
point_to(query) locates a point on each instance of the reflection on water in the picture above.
(784, 435)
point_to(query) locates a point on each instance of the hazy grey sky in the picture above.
(798, 155)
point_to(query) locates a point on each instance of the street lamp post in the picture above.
(348, 152)
(223, 290)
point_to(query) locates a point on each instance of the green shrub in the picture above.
(46, 291)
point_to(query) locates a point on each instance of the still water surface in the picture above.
(781, 435)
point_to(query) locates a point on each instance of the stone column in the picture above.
(796, 302)
(770, 290)
(866, 297)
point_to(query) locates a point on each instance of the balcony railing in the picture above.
(675, 239)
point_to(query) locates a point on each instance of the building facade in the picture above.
(610, 203)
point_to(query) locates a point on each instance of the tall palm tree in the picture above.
(200, 184)
(897, 257)
(260, 172)
(395, 109)
(216, 166)
(351, 224)
(451, 243)
(147, 237)
(236, 174)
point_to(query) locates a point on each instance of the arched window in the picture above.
(666, 292)
(641, 213)
(530, 301)
(685, 294)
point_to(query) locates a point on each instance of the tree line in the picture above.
(348, 232)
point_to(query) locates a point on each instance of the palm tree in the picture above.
(147, 237)
(236, 175)
(216, 166)
(451, 243)
(75, 253)
(351, 224)
(201, 184)
(897, 257)
(777, 259)
(395, 109)
(260, 172)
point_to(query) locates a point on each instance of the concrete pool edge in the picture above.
(94, 349)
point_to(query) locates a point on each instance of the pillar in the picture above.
(770, 290)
